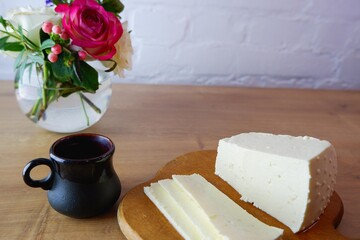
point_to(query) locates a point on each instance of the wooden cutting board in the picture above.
(139, 218)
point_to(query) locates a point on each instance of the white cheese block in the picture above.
(173, 213)
(290, 178)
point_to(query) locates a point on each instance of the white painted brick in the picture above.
(354, 39)
(160, 26)
(336, 84)
(152, 60)
(339, 10)
(156, 3)
(217, 26)
(267, 81)
(277, 43)
(273, 5)
(289, 65)
(333, 37)
(350, 69)
(280, 33)
(207, 59)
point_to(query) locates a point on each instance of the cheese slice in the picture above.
(173, 213)
(290, 178)
(198, 210)
(193, 210)
(228, 218)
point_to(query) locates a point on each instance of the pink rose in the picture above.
(91, 27)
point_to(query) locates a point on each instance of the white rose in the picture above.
(31, 20)
(124, 52)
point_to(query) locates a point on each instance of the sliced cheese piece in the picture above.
(173, 213)
(193, 210)
(228, 218)
(290, 178)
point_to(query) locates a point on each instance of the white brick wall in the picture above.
(270, 43)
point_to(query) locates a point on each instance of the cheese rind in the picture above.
(290, 178)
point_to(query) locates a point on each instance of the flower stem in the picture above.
(45, 79)
(34, 112)
(91, 104)
(11, 35)
(83, 106)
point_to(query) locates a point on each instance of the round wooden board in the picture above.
(139, 218)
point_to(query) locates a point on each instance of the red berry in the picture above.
(56, 29)
(47, 27)
(82, 55)
(52, 57)
(56, 49)
(64, 36)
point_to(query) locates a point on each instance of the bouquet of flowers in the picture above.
(60, 40)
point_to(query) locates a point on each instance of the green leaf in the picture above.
(13, 47)
(114, 6)
(17, 78)
(36, 59)
(56, 2)
(43, 36)
(86, 76)
(30, 67)
(20, 72)
(48, 43)
(19, 58)
(3, 22)
(68, 88)
(62, 72)
(20, 30)
(3, 42)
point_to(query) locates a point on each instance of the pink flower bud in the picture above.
(56, 29)
(47, 27)
(64, 36)
(82, 55)
(52, 57)
(56, 49)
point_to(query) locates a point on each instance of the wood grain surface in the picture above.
(140, 219)
(152, 124)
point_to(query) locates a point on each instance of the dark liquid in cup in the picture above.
(82, 147)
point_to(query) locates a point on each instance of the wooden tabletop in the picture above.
(152, 125)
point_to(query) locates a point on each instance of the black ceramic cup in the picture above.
(82, 182)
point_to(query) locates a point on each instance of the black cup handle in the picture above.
(45, 183)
